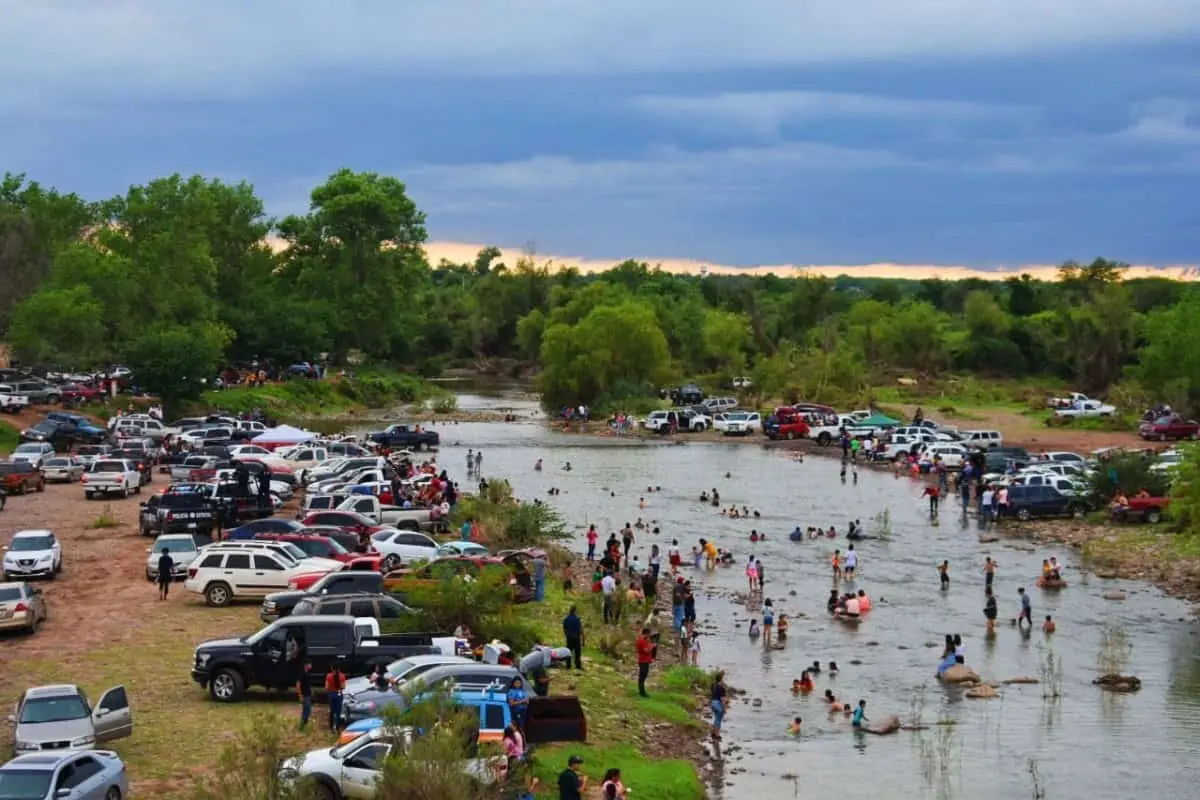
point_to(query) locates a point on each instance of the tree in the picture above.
(727, 337)
(63, 327)
(1169, 363)
(174, 362)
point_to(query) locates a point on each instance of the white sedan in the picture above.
(259, 453)
(732, 423)
(403, 547)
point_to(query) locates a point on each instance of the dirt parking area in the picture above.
(107, 627)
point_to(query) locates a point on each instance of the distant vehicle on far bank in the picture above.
(1170, 427)
(406, 437)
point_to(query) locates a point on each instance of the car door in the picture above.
(83, 777)
(112, 717)
(269, 574)
(332, 607)
(363, 607)
(414, 545)
(360, 770)
(328, 643)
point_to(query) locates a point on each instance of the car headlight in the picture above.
(24, 747)
(202, 659)
(269, 606)
(46, 558)
(83, 741)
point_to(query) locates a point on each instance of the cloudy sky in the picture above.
(972, 132)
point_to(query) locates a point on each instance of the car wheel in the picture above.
(113, 793)
(34, 624)
(41, 487)
(1023, 514)
(391, 563)
(790, 436)
(89, 495)
(1076, 511)
(320, 790)
(1154, 516)
(824, 439)
(218, 595)
(137, 489)
(227, 686)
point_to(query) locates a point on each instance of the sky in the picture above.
(976, 133)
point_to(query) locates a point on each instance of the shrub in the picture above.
(1129, 472)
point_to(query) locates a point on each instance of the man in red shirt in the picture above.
(645, 657)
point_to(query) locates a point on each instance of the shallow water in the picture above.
(1086, 744)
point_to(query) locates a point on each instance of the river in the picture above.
(1085, 744)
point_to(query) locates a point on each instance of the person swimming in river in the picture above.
(804, 684)
(795, 726)
(1055, 569)
(567, 467)
(753, 537)
(754, 631)
(1049, 626)
(944, 574)
(538, 466)
(703, 497)
(716, 497)
(781, 628)
(831, 605)
(832, 532)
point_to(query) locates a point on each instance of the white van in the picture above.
(983, 439)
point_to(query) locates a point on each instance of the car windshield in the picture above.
(9, 594)
(28, 448)
(295, 552)
(45, 427)
(737, 416)
(89, 450)
(58, 462)
(53, 709)
(31, 543)
(24, 784)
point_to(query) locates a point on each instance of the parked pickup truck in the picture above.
(406, 437)
(1172, 427)
(273, 656)
(1146, 509)
(10, 401)
(177, 513)
(1071, 400)
(111, 476)
(827, 429)
(791, 428)
(278, 605)
(1086, 408)
(410, 519)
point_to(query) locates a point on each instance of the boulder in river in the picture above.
(960, 673)
(1027, 679)
(1114, 682)
(884, 727)
(1114, 594)
(988, 538)
(982, 692)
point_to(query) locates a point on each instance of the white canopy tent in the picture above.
(283, 436)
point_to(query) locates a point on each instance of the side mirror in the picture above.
(63, 793)
(148, 549)
(12, 718)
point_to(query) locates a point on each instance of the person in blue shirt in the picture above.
(466, 530)
(860, 714)
(539, 578)
(518, 702)
(573, 630)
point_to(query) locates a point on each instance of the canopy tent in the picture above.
(873, 421)
(282, 436)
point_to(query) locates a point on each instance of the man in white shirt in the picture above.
(608, 587)
(985, 504)
(851, 563)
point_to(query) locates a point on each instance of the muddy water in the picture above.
(1086, 744)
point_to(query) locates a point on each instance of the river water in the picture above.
(1086, 744)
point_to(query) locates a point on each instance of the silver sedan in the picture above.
(62, 469)
(84, 774)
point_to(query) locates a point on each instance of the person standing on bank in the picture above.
(166, 572)
(539, 578)
(573, 630)
(645, 657)
(304, 691)
(335, 684)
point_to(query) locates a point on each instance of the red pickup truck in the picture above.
(1172, 427)
(1147, 509)
(792, 428)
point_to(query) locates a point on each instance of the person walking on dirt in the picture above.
(166, 571)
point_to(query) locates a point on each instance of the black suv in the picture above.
(377, 606)
(1033, 502)
(177, 513)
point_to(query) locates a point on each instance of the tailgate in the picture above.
(555, 719)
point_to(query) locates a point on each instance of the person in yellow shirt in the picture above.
(710, 555)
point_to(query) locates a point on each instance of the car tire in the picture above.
(33, 626)
(824, 439)
(789, 436)
(113, 793)
(1023, 514)
(89, 495)
(137, 489)
(227, 686)
(218, 595)
(323, 790)
(1076, 511)
(390, 563)
(1154, 516)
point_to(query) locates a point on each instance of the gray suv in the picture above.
(59, 717)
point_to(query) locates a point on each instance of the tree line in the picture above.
(176, 278)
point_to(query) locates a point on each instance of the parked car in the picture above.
(359, 606)
(382, 514)
(34, 453)
(32, 554)
(1032, 502)
(62, 469)
(345, 582)
(12, 401)
(22, 607)
(230, 571)
(346, 520)
(715, 404)
(66, 775)
(251, 529)
(983, 439)
(405, 437)
(369, 702)
(737, 423)
(463, 549)
(111, 476)
(59, 717)
(1172, 427)
(177, 513)
(400, 548)
(81, 392)
(39, 392)
(88, 453)
(183, 548)
(1089, 408)
(271, 656)
(315, 546)
(1146, 509)
(793, 427)
(19, 477)
(952, 455)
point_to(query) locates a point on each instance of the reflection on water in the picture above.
(1081, 745)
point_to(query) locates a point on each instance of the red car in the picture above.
(792, 428)
(1172, 427)
(314, 546)
(80, 392)
(364, 563)
(346, 520)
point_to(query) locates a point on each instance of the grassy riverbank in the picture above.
(303, 398)
(9, 436)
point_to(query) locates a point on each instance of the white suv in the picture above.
(32, 554)
(983, 439)
(225, 574)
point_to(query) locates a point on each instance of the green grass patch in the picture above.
(658, 779)
(300, 397)
(1138, 542)
(9, 437)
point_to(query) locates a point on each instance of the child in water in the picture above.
(754, 631)
(1049, 626)
(944, 574)
(805, 684)
(781, 628)
(795, 726)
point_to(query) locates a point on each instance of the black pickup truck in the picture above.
(274, 656)
(405, 437)
(278, 605)
(177, 513)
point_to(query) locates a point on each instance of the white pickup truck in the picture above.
(1070, 401)
(111, 476)
(10, 401)
(825, 429)
(1086, 408)
(404, 518)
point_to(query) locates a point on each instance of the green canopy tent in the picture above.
(878, 421)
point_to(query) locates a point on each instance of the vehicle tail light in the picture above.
(83, 478)
(21, 607)
(192, 572)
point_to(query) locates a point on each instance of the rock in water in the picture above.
(1026, 679)
(988, 538)
(1118, 683)
(1115, 594)
(983, 692)
(889, 725)
(960, 673)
